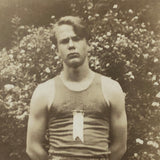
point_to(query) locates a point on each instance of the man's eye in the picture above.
(77, 38)
(64, 41)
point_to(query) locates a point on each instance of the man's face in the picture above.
(71, 48)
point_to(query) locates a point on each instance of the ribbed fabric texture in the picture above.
(96, 121)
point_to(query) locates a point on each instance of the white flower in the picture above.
(29, 30)
(106, 46)
(10, 56)
(155, 104)
(96, 62)
(21, 117)
(38, 50)
(149, 142)
(156, 60)
(100, 39)
(105, 19)
(115, 6)
(128, 63)
(131, 28)
(143, 25)
(115, 48)
(152, 143)
(156, 145)
(107, 64)
(132, 76)
(53, 46)
(90, 5)
(29, 46)
(100, 48)
(104, 36)
(135, 45)
(47, 70)
(11, 51)
(95, 44)
(124, 22)
(8, 87)
(156, 84)
(130, 11)
(22, 51)
(21, 27)
(89, 17)
(158, 95)
(149, 73)
(147, 46)
(129, 73)
(146, 55)
(52, 17)
(96, 15)
(154, 49)
(140, 141)
(92, 58)
(108, 34)
(153, 41)
(134, 18)
(27, 65)
(135, 155)
(22, 44)
(154, 77)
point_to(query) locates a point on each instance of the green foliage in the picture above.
(122, 47)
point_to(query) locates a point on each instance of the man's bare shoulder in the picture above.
(110, 84)
(45, 87)
(112, 90)
(43, 94)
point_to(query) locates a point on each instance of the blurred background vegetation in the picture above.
(125, 45)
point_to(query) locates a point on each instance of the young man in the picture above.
(83, 111)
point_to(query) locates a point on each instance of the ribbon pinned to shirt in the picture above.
(78, 121)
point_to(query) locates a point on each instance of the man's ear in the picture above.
(88, 47)
(56, 51)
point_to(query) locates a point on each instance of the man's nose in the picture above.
(71, 44)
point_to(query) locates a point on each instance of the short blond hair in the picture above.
(79, 26)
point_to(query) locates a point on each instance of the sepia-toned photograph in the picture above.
(79, 80)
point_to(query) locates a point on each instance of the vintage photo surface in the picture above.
(79, 80)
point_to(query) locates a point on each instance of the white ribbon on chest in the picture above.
(78, 121)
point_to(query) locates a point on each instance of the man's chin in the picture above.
(74, 64)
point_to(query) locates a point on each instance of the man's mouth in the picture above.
(73, 55)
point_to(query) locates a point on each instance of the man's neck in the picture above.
(76, 74)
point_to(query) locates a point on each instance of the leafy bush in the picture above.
(122, 47)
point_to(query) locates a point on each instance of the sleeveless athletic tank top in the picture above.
(95, 121)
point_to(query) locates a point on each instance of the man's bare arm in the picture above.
(116, 98)
(37, 126)
(118, 125)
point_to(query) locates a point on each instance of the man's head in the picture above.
(79, 27)
(71, 39)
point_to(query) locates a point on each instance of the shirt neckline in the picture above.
(78, 90)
